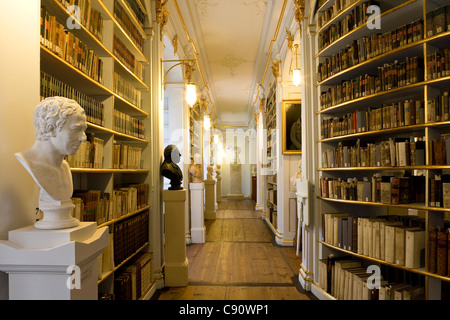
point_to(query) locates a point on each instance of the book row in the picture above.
(126, 157)
(347, 278)
(124, 89)
(127, 58)
(101, 207)
(134, 279)
(395, 239)
(90, 18)
(390, 76)
(136, 8)
(126, 124)
(369, 47)
(395, 152)
(438, 248)
(438, 107)
(69, 47)
(438, 20)
(328, 14)
(125, 21)
(379, 189)
(89, 154)
(129, 236)
(357, 17)
(393, 115)
(51, 87)
(438, 64)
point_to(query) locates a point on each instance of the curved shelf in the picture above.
(390, 18)
(379, 204)
(418, 271)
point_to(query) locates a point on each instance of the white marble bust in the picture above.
(60, 129)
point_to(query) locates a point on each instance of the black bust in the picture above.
(169, 169)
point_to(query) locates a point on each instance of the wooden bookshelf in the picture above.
(99, 43)
(395, 17)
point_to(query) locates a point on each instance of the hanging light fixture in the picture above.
(296, 72)
(191, 93)
(207, 122)
(191, 88)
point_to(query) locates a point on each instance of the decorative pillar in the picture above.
(53, 264)
(176, 263)
(210, 212)
(198, 229)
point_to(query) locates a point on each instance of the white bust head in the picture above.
(60, 124)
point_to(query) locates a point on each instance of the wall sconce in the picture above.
(296, 72)
(191, 88)
(191, 93)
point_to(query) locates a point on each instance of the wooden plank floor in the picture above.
(239, 261)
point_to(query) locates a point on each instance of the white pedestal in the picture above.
(176, 263)
(53, 264)
(198, 229)
(235, 182)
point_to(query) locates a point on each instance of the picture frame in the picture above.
(291, 136)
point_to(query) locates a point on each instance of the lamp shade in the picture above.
(296, 77)
(207, 122)
(191, 93)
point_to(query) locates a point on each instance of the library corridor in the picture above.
(239, 261)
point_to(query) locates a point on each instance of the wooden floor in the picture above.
(239, 261)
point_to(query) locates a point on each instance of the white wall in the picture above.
(19, 94)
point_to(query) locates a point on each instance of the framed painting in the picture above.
(291, 127)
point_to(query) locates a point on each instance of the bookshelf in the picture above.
(271, 164)
(100, 57)
(383, 121)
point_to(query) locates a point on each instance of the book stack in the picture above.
(347, 278)
(369, 47)
(101, 207)
(393, 115)
(357, 17)
(69, 47)
(395, 239)
(135, 279)
(125, 21)
(438, 250)
(90, 18)
(390, 76)
(51, 87)
(127, 58)
(126, 157)
(124, 89)
(135, 6)
(89, 154)
(395, 152)
(333, 11)
(129, 236)
(127, 124)
(438, 64)
(438, 20)
(379, 189)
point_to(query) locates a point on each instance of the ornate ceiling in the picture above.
(230, 37)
